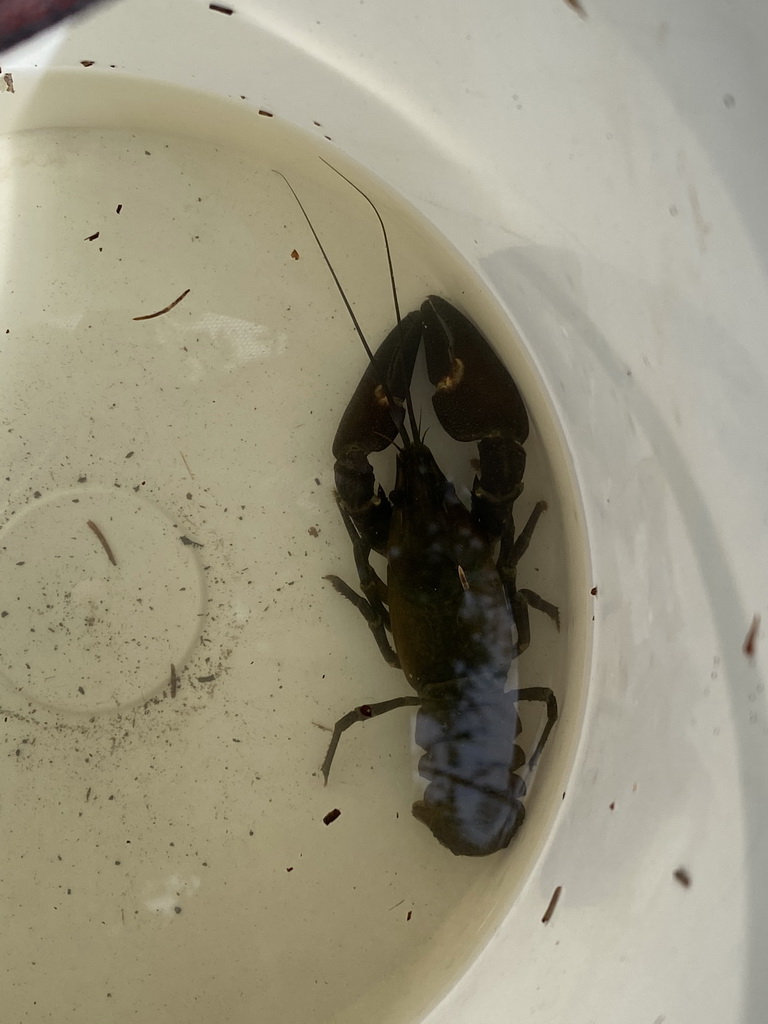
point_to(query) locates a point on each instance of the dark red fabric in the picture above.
(20, 19)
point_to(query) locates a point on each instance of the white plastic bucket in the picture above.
(598, 174)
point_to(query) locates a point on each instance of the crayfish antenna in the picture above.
(367, 198)
(387, 393)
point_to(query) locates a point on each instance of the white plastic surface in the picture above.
(604, 176)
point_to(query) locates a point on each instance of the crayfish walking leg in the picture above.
(362, 714)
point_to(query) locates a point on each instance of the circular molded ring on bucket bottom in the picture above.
(102, 581)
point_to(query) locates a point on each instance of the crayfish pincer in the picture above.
(450, 614)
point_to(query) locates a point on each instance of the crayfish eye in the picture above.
(452, 380)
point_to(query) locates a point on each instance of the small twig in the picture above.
(552, 904)
(168, 308)
(750, 642)
(103, 541)
(174, 680)
(192, 475)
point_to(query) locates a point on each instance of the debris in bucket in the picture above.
(750, 641)
(166, 309)
(91, 238)
(266, 113)
(87, 63)
(331, 816)
(103, 541)
(576, 6)
(409, 915)
(8, 79)
(220, 9)
(294, 255)
(552, 904)
(683, 877)
(118, 208)
(593, 591)
(174, 680)
(190, 543)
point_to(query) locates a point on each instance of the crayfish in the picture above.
(450, 604)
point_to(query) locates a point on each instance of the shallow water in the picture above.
(166, 856)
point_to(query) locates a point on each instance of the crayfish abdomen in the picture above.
(473, 800)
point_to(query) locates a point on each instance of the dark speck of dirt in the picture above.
(87, 63)
(118, 208)
(220, 9)
(409, 915)
(294, 255)
(289, 869)
(177, 910)
(750, 641)
(91, 238)
(593, 591)
(576, 6)
(313, 531)
(331, 816)
(683, 877)
(266, 113)
(612, 806)
(190, 543)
